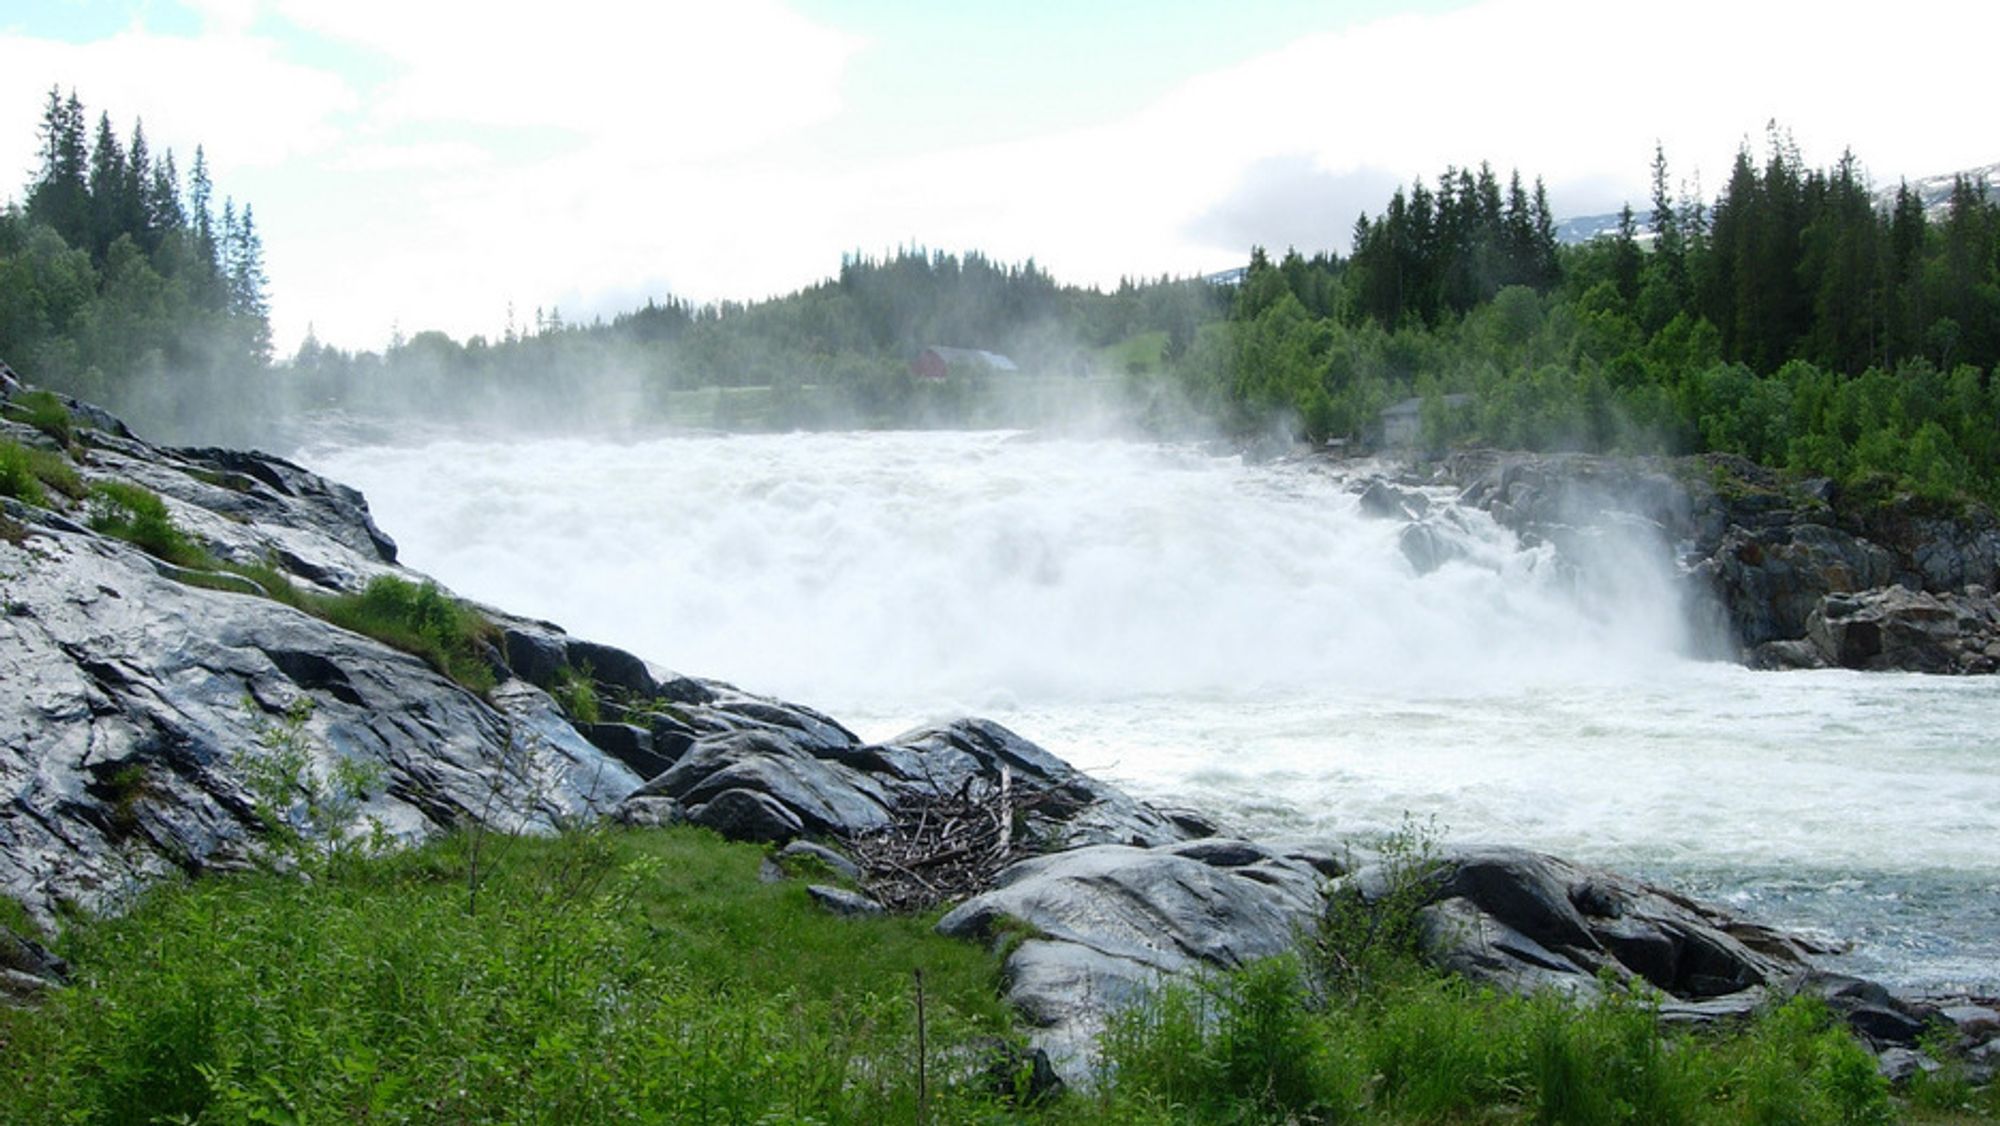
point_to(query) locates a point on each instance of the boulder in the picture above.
(1522, 920)
(1898, 628)
(1107, 922)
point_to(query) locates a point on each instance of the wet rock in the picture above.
(1900, 1065)
(1765, 558)
(1426, 549)
(1519, 919)
(1897, 628)
(1385, 501)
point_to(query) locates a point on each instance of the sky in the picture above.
(432, 164)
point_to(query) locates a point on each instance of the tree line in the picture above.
(837, 352)
(1792, 320)
(119, 283)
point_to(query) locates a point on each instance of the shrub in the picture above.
(138, 516)
(576, 691)
(46, 413)
(18, 478)
(1367, 937)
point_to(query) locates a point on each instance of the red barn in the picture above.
(937, 363)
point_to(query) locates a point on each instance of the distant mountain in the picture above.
(1935, 191)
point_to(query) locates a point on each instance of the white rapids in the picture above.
(1244, 640)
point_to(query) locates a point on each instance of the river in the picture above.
(1244, 640)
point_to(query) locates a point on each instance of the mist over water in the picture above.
(1244, 640)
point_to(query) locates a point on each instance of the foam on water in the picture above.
(1244, 639)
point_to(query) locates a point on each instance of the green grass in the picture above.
(45, 412)
(606, 977)
(418, 619)
(650, 976)
(137, 515)
(26, 474)
(576, 691)
(1253, 1047)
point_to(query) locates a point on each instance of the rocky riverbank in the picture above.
(1786, 575)
(147, 700)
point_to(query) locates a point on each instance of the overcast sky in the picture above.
(422, 165)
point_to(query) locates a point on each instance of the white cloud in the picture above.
(233, 93)
(661, 82)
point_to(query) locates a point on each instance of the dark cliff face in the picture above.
(1791, 574)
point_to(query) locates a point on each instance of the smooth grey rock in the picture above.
(841, 901)
(1108, 920)
(1513, 918)
(1900, 1065)
(629, 744)
(746, 815)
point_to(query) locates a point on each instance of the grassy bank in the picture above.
(651, 977)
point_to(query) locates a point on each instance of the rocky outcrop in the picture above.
(140, 704)
(1100, 927)
(1793, 574)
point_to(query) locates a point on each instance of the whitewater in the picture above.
(1246, 640)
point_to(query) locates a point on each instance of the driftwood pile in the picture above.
(950, 844)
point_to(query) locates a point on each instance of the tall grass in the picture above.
(606, 978)
(1430, 1049)
(27, 473)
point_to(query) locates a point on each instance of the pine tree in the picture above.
(135, 216)
(108, 180)
(1625, 256)
(201, 222)
(60, 193)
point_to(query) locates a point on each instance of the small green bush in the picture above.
(576, 691)
(18, 478)
(25, 472)
(46, 413)
(421, 620)
(1358, 942)
(137, 515)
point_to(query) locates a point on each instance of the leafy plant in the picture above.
(309, 813)
(1367, 935)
